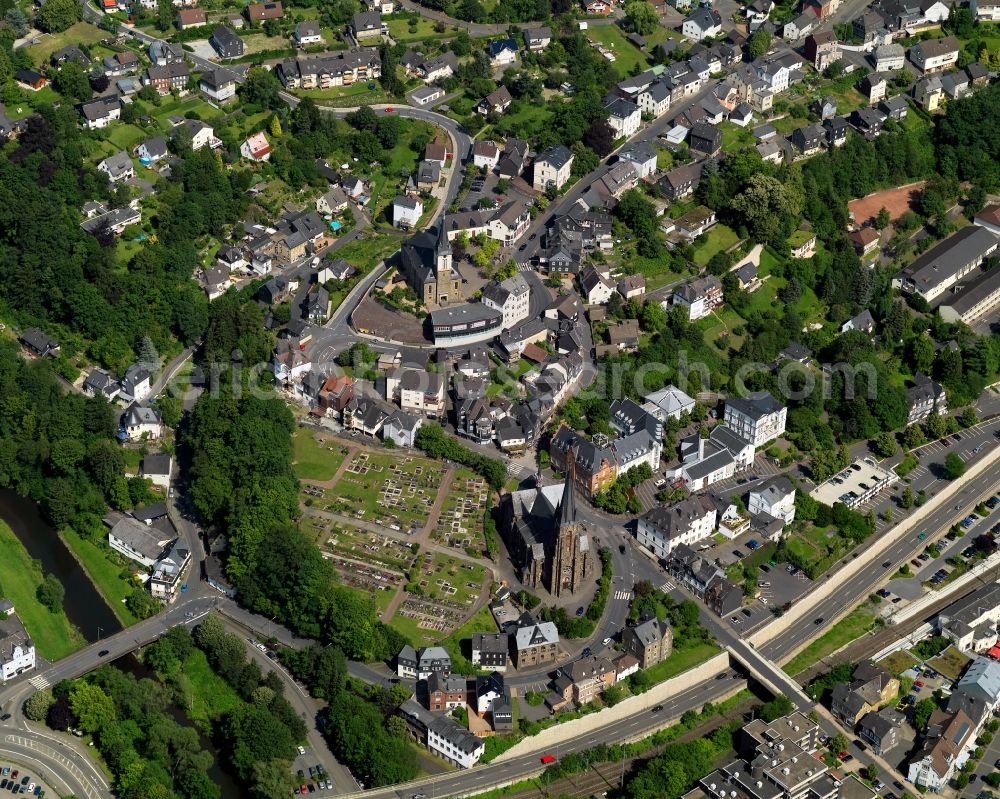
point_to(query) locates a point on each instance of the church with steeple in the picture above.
(550, 549)
(425, 260)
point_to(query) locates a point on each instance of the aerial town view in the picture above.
(544, 399)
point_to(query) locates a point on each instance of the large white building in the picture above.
(140, 542)
(668, 403)
(17, 650)
(758, 418)
(684, 522)
(552, 168)
(624, 118)
(774, 498)
(511, 297)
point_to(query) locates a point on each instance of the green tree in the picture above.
(50, 593)
(165, 15)
(18, 21)
(906, 499)
(922, 712)
(38, 704)
(641, 16)
(71, 82)
(759, 43)
(885, 445)
(57, 15)
(882, 219)
(968, 417)
(954, 466)
(92, 707)
(765, 206)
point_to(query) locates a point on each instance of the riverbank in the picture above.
(20, 577)
(105, 576)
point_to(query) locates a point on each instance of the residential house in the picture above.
(509, 222)
(511, 163)
(157, 469)
(535, 644)
(39, 344)
(165, 583)
(426, 94)
(502, 52)
(868, 122)
(143, 543)
(191, 18)
(446, 691)
(256, 148)
(802, 25)
(668, 403)
(836, 133)
(757, 418)
(99, 383)
(552, 168)
(935, 55)
(422, 663)
(687, 521)
(632, 286)
(485, 154)
(655, 99)
(511, 297)
(219, 84)
(701, 296)
(825, 108)
(31, 80)
(865, 240)
(642, 156)
(171, 77)
(428, 175)
(101, 112)
(595, 467)
(366, 26)
(989, 218)
(888, 57)
(895, 107)
(702, 23)
(307, 33)
(442, 735)
(538, 38)
(822, 49)
(494, 698)
(490, 650)
(928, 93)
(226, 43)
(650, 641)
(332, 202)
(955, 84)
(17, 650)
(583, 679)
(873, 87)
(871, 687)
(809, 139)
(162, 53)
(774, 498)
(140, 422)
(705, 140)
(681, 181)
(597, 7)
(623, 117)
(880, 730)
(117, 167)
(945, 749)
(496, 102)
(262, 12)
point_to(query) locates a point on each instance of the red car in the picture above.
(389, 110)
(919, 683)
(546, 759)
(843, 755)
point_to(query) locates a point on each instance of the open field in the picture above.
(20, 577)
(316, 456)
(403, 30)
(80, 33)
(897, 201)
(366, 253)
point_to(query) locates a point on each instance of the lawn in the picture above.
(951, 663)
(481, 622)
(103, 573)
(529, 118)
(312, 460)
(735, 138)
(898, 662)
(355, 94)
(20, 577)
(627, 55)
(403, 30)
(852, 626)
(211, 696)
(125, 137)
(81, 33)
(718, 239)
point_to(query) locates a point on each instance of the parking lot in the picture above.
(312, 777)
(20, 781)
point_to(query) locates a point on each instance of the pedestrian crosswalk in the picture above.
(39, 682)
(623, 594)
(667, 587)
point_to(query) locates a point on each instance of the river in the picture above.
(85, 607)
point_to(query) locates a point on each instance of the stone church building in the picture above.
(425, 260)
(549, 547)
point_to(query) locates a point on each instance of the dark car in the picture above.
(818, 620)
(887, 564)
(579, 611)
(738, 554)
(657, 708)
(102, 653)
(621, 548)
(586, 651)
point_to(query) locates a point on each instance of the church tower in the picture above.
(570, 555)
(442, 254)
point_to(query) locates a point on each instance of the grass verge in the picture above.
(853, 625)
(102, 573)
(20, 577)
